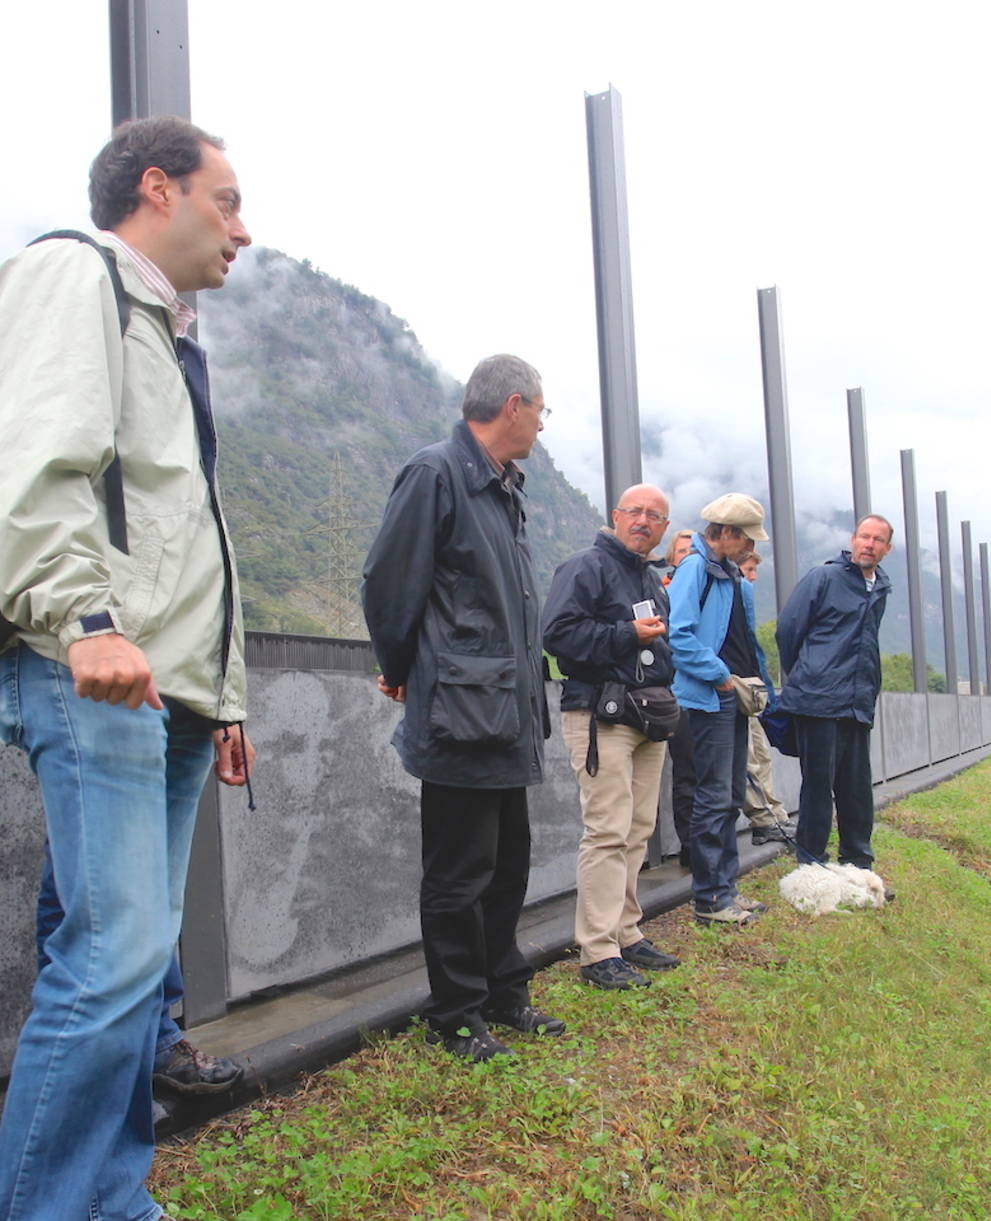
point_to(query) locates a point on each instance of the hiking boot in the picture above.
(643, 953)
(754, 906)
(613, 974)
(191, 1071)
(732, 916)
(768, 835)
(476, 1045)
(525, 1019)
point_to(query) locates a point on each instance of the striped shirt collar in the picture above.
(155, 280)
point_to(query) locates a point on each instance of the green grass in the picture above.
(834, 1068)
(954, 815)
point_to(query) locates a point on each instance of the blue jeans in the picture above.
(719, 741)
(120, 790)
(49, 917)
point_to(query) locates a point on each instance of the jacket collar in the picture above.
(478, 471)
(882, 582)
(607, 540)
(713, 565)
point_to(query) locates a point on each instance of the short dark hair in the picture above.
(493, 380)
(876, 517)
(751, 557)
(714, 530)
(173, 145)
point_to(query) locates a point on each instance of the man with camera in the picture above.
(606, 623)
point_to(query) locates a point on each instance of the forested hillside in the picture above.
(321, 394)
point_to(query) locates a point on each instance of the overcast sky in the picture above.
(434, 156)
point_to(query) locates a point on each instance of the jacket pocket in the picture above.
(475, 700)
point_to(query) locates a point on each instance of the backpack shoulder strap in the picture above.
(113, 481)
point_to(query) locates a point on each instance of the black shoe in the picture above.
(191, 1071)
(768, 835)
(524, 1018)
(477, 1045)
(614, 974)
(644, 954)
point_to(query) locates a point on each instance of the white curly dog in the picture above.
(817, 890)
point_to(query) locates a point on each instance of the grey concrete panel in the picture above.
(971, 730)
(877, 742)
(905, 733)
(944, 727)
(22, 834)
(986, 719)
(787, 780)
(326, 872)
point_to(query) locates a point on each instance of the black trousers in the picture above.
(836, 763)
(682, 751)
(476, 864)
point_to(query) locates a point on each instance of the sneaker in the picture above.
(613, 974)
(768, 835)
(643, 953)
(524, 1018)
(732, 916)
(477, 1045)
(754, 906)
(191, 1071)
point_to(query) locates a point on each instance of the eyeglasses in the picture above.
(655, 519)
(542, 412)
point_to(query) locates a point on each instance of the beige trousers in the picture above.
(759, 765)
(619, 811)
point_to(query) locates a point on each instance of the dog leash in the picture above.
(781, 827)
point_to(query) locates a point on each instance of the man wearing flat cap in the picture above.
(712, 635)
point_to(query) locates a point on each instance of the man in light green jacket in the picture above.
(122, 661)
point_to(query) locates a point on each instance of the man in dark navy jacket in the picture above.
(606, 621)
(828, 641)
(451, 604)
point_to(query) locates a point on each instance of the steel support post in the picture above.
(149, 70)
(613, 293)
(946, 589)
(970, 607)
(783, 535)
(986, 607)
(149, 59)
(913, 560)
(858, 454)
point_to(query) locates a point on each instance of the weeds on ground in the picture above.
(833, 1068)
(955, 815)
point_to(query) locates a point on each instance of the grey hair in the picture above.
(492, 381)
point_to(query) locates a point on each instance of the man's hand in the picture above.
(394, 693)
(648, 629)
(111, 668)
(726, 686)
(231, 766)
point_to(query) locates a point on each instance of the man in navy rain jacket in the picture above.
(451, 604)
(828, 641)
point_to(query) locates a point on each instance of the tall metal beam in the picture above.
(149, 59)
(858, 453)
(613, 293)
(970, 608)
(986, 607)
(783, 537)
(946, 590)
(913, 559)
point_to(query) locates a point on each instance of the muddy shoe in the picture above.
(733, 916)
(191, 1071)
